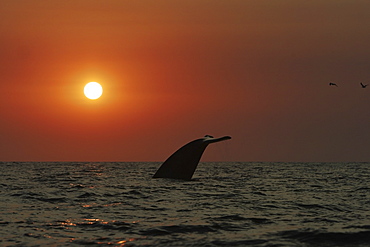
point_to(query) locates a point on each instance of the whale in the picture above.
(183, 163)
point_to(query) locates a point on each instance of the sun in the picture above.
(93, 90)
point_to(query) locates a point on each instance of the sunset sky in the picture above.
(173, 71)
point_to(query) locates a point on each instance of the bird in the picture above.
(333, 84)
(363, 86)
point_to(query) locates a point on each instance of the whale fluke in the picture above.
(182, 163)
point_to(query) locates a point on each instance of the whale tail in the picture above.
(182, 163)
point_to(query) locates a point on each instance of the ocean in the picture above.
(225, 204)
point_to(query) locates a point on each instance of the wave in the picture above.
(319, 238)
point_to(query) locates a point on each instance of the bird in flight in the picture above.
(362, 85)
(333, 84)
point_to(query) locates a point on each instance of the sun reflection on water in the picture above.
(102, 240)
(98, 205)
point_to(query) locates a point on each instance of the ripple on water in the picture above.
(227, 204)
(321, 238)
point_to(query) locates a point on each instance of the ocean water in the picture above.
(226, 204)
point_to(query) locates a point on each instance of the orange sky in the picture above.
(173, 71)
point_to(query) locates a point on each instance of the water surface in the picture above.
(226, 204)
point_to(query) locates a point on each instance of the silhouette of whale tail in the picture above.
(182, 163)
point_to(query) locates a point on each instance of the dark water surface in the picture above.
(226, 204)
